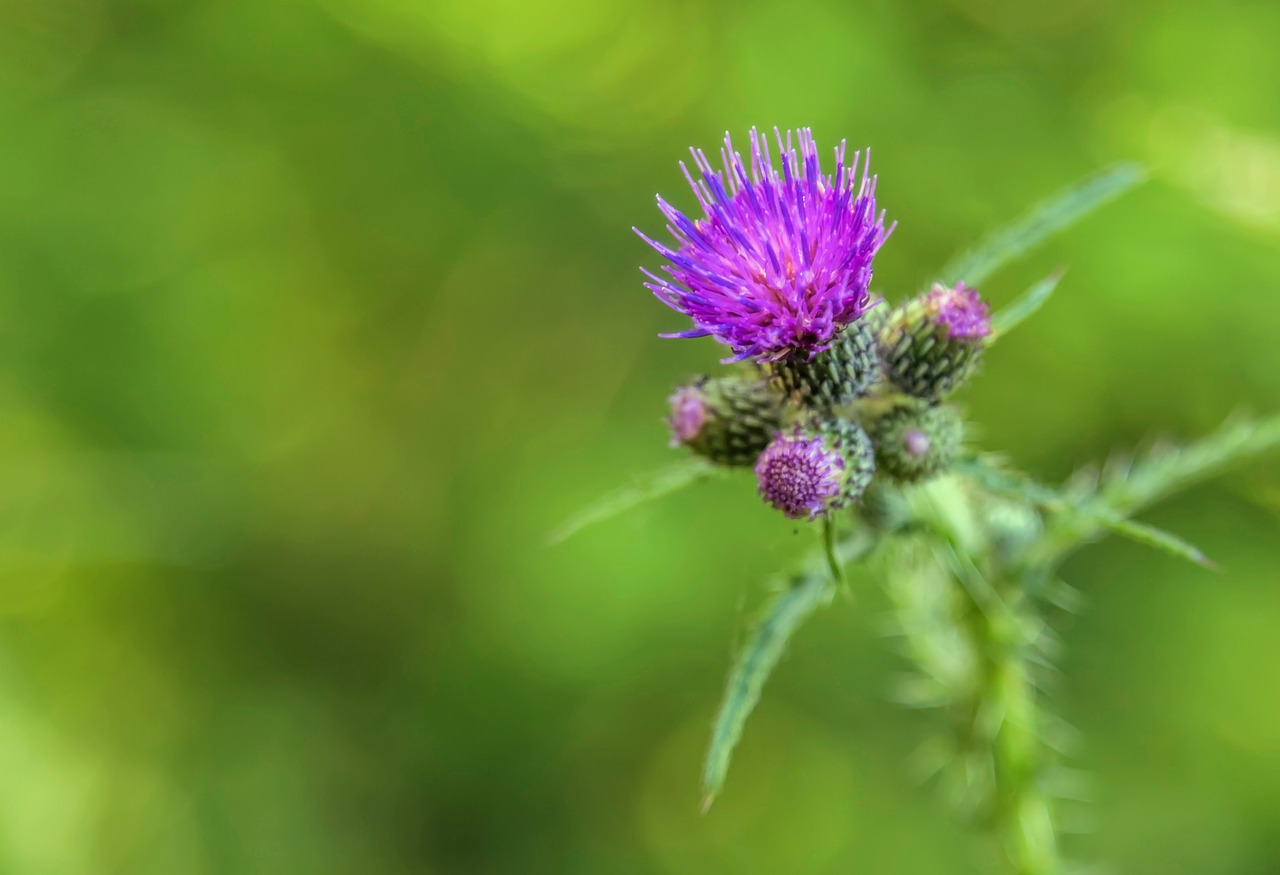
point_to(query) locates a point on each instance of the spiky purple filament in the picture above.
(779, 262)
(961, 311)
(799, 475)
(688, 414)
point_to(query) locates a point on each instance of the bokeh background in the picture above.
(316, 316)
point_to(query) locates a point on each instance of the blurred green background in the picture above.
(317, 315)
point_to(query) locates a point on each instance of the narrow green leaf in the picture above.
(1126, 488)
(1065, 596)
(1159, 539)
(806, 590)
(1041, 223)
(1013, 315)
(652, 486)
(782, 618)
(1078, 520)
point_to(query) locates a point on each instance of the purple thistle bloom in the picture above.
(778, 263)
(960, 310)
(799, 475)
(688, 414)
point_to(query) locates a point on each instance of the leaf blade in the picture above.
(1023, 308)
(649, 487)
(1161, 472)
(1077, 521)
(785, 614)
(1166, 542)
(1040, 223)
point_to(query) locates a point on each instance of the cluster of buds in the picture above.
(839, 389)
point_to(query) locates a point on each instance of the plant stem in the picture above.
(1021, 816)
(829, 546)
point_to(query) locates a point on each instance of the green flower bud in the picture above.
(932, 343)
(915, 442)
(812, 470)
(729, 420)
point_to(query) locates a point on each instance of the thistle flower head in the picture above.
(960, 311)
(779, 262)
(807, 472)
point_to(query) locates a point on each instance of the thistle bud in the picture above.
(836, 375)
(729, 420)
(931, 344)
(915, 442)
(810, 471)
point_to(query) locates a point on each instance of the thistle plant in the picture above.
(842, 406)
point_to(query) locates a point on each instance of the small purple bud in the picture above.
(815, 469)
(960, 310)
(931, 344)
(798, 475)
(916, 442)
(727, 419)
(688, 414)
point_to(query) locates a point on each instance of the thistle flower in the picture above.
(728, 420)
(779, 263)
(932, 343)
(810, 471)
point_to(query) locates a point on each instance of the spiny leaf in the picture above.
(806, 591)
(1079, 519)
(1125, 488)
(1159, 539)
(762, 652)
(1014, 314)
(648, 488)
(1041, 223)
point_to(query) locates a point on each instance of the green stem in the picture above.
(829, 546)
(1021, 816)
(1024, 820)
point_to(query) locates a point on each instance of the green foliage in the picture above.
(1128, 484)
(650, 487)
(803, 593)
(1043, 221)
(1074, 519)
(1159, 539)
(767, 642)
(1010, 317)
